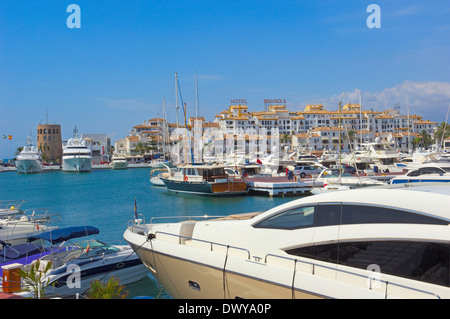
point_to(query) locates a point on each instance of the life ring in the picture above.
(185, 178)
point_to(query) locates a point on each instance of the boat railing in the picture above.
(371, 281)
(137, 225)
(185, 218)
(182, 240)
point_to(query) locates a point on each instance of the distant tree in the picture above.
(440, 134)
(427, 140)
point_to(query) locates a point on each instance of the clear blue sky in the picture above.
(113, 72)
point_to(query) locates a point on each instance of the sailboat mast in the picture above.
(340, 145)
(164, 129)
(196, 97)
(176, 96)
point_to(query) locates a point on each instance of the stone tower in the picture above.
(49, 142)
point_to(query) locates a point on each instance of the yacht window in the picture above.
(299, 217)
(360, 214)
(424, 261)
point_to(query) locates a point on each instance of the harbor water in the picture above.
(105, 198)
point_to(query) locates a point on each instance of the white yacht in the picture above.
(29, 160)
(431, 172)
(118, 161)
(77, 157)
(387, 242)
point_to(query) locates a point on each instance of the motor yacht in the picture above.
(73, 269)
(118, 161)
(432, 172)
(29, 160)
(77, 157)
(375, 243)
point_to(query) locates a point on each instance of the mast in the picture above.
(340, 146)
(176, 96)
(360, 117)
(196, 97)
(164, 129)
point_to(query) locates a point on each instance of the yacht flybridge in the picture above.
(382, 242)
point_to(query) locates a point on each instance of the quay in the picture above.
(280, 186)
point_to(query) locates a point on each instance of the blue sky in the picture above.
(113, 72)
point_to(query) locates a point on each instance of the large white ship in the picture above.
(77, 157)
(29, 160)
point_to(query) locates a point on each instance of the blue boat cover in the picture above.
(63, 234)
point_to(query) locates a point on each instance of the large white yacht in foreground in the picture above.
(77, 157)
(381, 242)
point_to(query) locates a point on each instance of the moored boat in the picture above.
(210, 180)
(29, 160)
(375, 243)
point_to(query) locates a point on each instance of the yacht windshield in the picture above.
(96, 248)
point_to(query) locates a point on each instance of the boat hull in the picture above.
(203, 277)
(28, 166)
(77, 164)
(127, 269)
(205, 188)
(119, 165)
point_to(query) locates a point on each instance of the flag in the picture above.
(87, 248)
(135, 209)
(4, 137)
(9, 137)
(258, 161)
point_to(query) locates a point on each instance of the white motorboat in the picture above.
(335, 177)
(15, 229)
(29, 160)
(155, 175)
(118, 161)
(73, 269)
(77, 157)
(381, 242)
(329, 188)
(433, 172)
(10, 207)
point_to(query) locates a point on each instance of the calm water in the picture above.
(105, 199)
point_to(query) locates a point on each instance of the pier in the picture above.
(280, 186)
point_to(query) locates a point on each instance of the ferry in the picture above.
(375, 243)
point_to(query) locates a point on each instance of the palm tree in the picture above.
(108, 290)
(18, 150)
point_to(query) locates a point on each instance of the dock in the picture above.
(279, 186)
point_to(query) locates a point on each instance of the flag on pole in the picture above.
(135, 209)
(9, 137)
(4, 137)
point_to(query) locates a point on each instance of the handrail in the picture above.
(352, 273)
(188, 218)
(205, 241)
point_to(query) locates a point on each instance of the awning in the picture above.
(63, 234)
